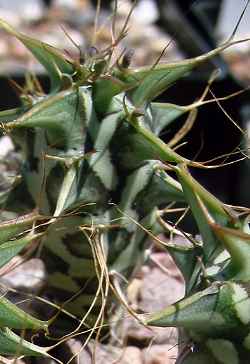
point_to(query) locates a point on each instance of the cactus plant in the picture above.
(215, 311)
(93, 178)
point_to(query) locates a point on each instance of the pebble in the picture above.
(6, 146)
(29, 275)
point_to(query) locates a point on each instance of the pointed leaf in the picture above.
(188, 264)
(163, 114)
(145, 140)
(211, 245)
(52, 60)
(237, 244)
(62, 116)
(10, 249)
(103, 92)
(15, 318)
(65, 190)
(11, 114)
(203, 204)
(12, 344)
(193, 312)
(11, 228)
(3, 197)
(63, 232)
(213, 312)
(100, 161)
(127, 253)
(213, 351)
(223, 350)
(162, 189)
(135, 183)
(150, 82)
(221, 213)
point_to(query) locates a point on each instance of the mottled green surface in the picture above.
(95, 173)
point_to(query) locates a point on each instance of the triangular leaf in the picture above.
(237, 244)
(164, 114)
(11, 114)
(52, 60)
(10, 249)
(12, 344)
(151, 81)
(213, 312)
(62, 116)
(13, 317)
(222, 214)
(11, 228)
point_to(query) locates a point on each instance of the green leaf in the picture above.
(104, 91)
(163, 114)
(63, 117)
(64, 232)
(151, 81)
(224, 351)
(15, 318)
(11, 114)
(207, 211)
(154, 147)
(52, 60)
(213, 312)
(10, 249)
(192, 312)
(11, 228)
(3, 197)
(237, 243)
(162, 189)
(221, 214)
(65, 190)
(127, 254)
(100, 161)
(12, 344)
(210, 242)
(135, 183)
(187, 262)
(202, 354)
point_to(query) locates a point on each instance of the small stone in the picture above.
(82, 355)
(131, 355)
(6, 146)
(28, 275)
(105, 353)
(165, 262)
(142, 335)
(146, 12)
(163, 282)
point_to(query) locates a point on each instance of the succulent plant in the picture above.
(215, 311)
(94, 177)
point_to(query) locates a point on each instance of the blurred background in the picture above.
(189, 28)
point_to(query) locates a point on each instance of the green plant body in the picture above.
(94, 175)
(216, 310)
